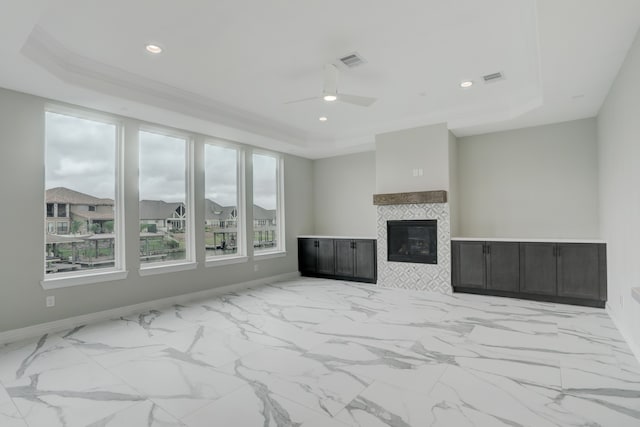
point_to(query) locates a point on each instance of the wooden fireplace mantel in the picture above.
(416, 197)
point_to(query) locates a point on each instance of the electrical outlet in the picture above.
(256, 267)
(51, 301)
(420, 172)
(415, 172)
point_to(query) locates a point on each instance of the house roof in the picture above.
(158, 209)
(262, 213)
(149, 209)
(217, 211)
(66, 195)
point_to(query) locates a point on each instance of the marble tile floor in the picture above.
(323, 353)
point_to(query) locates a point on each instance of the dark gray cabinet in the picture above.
(539, 268)
(486, 265)
(470, 267)
(351, 259)
(315, 256)
(326, 257)
(580, 270)
(574, 273)
(503, 266)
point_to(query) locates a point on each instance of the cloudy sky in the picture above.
(81, 156)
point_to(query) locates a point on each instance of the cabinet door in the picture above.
(538, 268)
(326, 257)
(470, 265)
(345, 263)
(365, 255)
(503, 266)
(307, 255)
(578, 270)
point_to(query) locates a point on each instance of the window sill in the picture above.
(68, 280)
(167, 268)
(267, 255)
(214, 262)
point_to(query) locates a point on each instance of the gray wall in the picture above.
(343, 189)
(22, 299)
(527, 183)
(398, 153)
(619, 161)
(454, 188)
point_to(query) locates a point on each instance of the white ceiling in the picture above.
(229, 66)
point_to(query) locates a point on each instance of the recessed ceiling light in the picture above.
(322, 119)
(330, 98)
(465, 84)
(153, 48)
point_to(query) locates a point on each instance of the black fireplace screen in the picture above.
(413, 241)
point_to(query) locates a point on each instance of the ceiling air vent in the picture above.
(493, 77)
(352, 60)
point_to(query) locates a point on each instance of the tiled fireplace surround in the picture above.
(414, 206)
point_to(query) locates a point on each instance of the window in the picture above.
(80, 168)
(164, 201)
(63, 227)
(92, 209)
(223, 231)
(268, 227)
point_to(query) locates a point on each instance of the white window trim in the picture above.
(270, 254)
(280, 249)
(118, 272)
(162, 268)
(66, 280)
(225, 260)
(241, 207)
(189, 263)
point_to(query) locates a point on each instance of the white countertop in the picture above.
(512, 239)
(338, 237)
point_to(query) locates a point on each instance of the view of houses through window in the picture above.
(265, 203)
(80, 170)
(163, 198)
(221, 201)
(81, 205)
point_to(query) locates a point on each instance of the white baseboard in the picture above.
(72, 322)
(634, 346)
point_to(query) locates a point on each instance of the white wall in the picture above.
(22, 299)
(527, 183)
(619, 161)
(398, 153)
(343, 189)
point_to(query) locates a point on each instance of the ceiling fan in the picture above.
(330, 91)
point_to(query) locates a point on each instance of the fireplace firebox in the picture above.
(413, 241)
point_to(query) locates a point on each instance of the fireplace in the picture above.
(413, 241)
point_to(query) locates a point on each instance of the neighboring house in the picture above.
(64, 206)
(165, 216)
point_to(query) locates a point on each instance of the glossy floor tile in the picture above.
(324, 353)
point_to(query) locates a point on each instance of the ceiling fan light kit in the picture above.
(330, 91)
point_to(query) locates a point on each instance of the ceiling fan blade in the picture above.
(295, 101)
(330, 80)
(363, 101)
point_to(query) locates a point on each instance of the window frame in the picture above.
(118, 271)
(241, 212)
(280, 249)
(189, 263)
